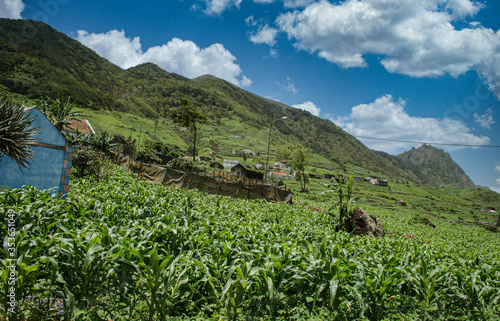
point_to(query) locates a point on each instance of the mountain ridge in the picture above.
(46, 62)
(435, 167)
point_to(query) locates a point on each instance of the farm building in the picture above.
(216, 165)
(51, 167)
(379, 182)
(240, 171)
(283, 175)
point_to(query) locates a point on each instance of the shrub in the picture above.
(181, 164)
(127, 145)
(147, 156)
(89, 162)
(492, 228)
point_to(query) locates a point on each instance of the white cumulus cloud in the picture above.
(485, 120)
(11, 9)
(264, 35)
(296, 3)
(497, 168)
(216, 7)
(310, 107)
(386, 118)
(288, 86)
(288, 3)
(415, 38)
(180, 56)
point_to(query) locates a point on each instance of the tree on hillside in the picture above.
(16, 133)
(299, 161)
(258, 160)
(59, 111)
(244, 155)
(188, 115)
(285, 151)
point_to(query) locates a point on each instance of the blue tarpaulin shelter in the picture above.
(51, 167)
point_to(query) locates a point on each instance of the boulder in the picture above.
(363, 224)
(401, 202)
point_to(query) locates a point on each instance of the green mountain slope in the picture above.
(38, 61)
(432, 166)
(435, 167)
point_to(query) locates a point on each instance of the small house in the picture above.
(383, 182)
(216, 165)
(239, 170)
(379, 182)
(51, 167)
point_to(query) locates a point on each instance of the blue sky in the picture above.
(423, 71)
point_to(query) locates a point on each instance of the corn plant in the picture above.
(345, 200)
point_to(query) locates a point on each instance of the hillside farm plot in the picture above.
(124, 249)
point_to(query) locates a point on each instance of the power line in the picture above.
(427, 143)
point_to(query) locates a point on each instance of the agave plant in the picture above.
(59, 111)
(16, 133)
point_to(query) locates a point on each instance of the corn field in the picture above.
(124, 249)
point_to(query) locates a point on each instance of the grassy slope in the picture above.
(435, 203)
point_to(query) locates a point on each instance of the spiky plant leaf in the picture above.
(59, 111)
(16, 133)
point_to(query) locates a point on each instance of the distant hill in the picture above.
(432, 166)
(38, 61)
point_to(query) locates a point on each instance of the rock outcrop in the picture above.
(360, 223)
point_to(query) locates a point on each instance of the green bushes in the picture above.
(124, 249)
(93, 154)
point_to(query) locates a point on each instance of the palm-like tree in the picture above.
(16, 133)
(59, 111)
